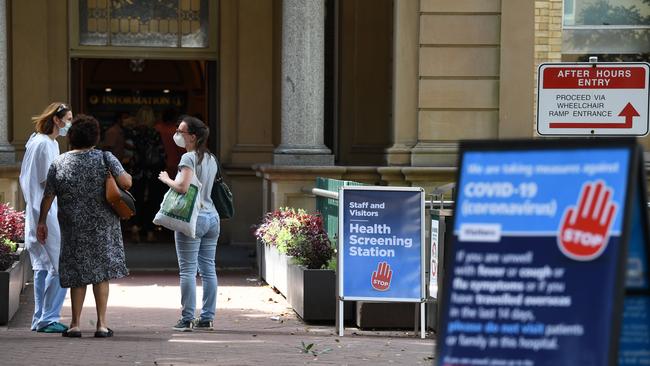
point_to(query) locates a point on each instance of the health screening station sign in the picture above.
(536, 266)
(593, 99)
(381, 243)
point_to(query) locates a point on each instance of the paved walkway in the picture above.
(254, 326)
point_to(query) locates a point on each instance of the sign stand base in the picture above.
(340, 329)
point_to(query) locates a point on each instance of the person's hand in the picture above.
(584, 231)
(41, 233)
(380, 279)
(163, 176)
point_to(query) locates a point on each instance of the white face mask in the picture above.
(64, 130)
(179, 140)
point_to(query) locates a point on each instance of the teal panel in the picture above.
(329, 207)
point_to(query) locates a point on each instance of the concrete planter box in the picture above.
(271, 259)
(275, 268)
(312, 294)
(12, 283)
(259, 256)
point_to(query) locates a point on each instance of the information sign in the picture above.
(433, 265)
(535, 272)
(593, 99)
(634, 346)
(381, 243)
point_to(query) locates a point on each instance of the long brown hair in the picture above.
(44, 122)
(196, 127)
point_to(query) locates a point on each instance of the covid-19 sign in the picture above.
(536, 266)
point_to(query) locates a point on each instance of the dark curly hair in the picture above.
(84, 132)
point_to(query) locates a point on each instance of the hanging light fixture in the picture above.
(136, 64)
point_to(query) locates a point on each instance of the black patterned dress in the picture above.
(91, 237)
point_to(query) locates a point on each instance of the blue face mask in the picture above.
(64, 130)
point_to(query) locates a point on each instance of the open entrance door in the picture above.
(137, 102)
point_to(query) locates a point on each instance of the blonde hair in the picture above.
(145, 116)
(44, 122)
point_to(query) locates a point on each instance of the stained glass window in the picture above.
(144, 23)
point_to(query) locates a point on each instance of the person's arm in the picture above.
(182, 181)
(41, 229)
(124, 180)
(42, 161)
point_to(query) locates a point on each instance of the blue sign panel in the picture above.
(536, 249)
(381, 243)
(634, 346)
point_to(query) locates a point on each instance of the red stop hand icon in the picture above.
(380, 279)
(584, 232)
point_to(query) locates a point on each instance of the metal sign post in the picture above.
(440, 215)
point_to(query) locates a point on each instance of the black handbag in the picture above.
(222, 196)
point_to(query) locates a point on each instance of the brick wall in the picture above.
(548, 34)
(548, 31)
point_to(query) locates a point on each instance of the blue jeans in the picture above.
(197, 255)
(48, 299)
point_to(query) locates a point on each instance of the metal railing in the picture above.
(432, 204)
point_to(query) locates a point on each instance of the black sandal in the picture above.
(71, 333)
(102, 334)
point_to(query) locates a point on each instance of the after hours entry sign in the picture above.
(593, 99)
(540, 249)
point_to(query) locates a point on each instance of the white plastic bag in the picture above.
(179, 212)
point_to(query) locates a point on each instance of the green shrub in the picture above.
(298, 234)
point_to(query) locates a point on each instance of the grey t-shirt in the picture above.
(205, 173)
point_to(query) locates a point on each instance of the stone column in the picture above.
(517, 58)
(7, 151)
(303, 34)
(405, 82)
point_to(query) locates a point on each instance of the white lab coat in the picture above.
(39, 153)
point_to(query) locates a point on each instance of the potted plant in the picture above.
(310, 274)
(274, 234)
(13, 260)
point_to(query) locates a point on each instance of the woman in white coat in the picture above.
(41, 149)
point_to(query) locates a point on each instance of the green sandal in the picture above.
(55, 327)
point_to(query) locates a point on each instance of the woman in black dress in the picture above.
(92, 251)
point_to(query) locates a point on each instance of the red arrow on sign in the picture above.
(628, 112)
